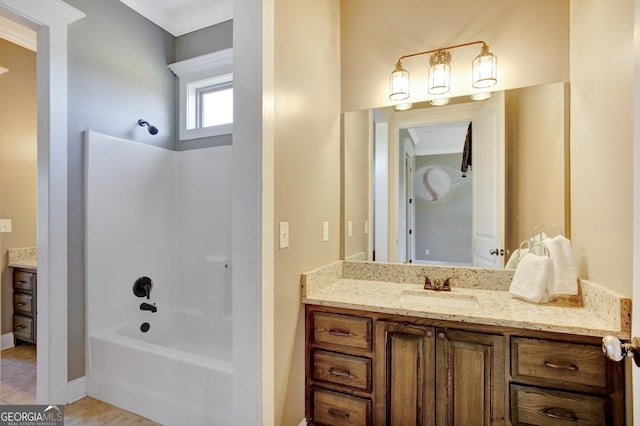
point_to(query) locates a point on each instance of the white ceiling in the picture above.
(439, 138)
(180, 17)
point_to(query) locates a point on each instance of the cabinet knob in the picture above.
(441, 335)
(429, 334)
(615, 350)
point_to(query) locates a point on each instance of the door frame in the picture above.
(415, 118)
(49, 19)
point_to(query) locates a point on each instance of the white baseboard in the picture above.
(6, 341)
(76, 389)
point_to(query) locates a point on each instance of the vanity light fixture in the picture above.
(481, 96)
(484, 72)
(403, 107)
(439, 101)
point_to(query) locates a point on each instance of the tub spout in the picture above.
(144, 306)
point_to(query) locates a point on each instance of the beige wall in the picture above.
(17, 160)
(306, 177)
(601, 140)
(373, 35)
(536, 136)
(356, 175)
(529, 37)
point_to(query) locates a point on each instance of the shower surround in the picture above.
(165, 215)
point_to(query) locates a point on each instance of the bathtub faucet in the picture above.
(142, 287)
(144, 306)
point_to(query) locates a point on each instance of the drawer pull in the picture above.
(20, 327)
(339, 332)
(339, 372)
(571, 367)
(560, 414)
(21, 304)
(338, 413)
(21, 282)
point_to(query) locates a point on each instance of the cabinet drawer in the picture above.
(23, 304)
(23, 328)
(342, 369)
(336, 409)
(24, 281)
(536, 406)
(562, 363)
(342, 330)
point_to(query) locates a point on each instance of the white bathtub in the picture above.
(177, 373)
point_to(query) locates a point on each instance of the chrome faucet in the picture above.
(144, 306)
(438, 284)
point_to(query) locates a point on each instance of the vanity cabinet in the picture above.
(435, 376)
(555, 382)
(370, 368)
(24, 305)
(339, 369)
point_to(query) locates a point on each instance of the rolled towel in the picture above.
(564, 278)
(530, 279)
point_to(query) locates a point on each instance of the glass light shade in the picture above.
(399, 84)
(403, 107)
(439, 73)
(439, 101)
(481, 96)
(484, 69)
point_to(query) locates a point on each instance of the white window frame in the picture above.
(194, 74)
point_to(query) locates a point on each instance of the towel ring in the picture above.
(550, 231)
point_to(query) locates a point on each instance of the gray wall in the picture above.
(118, 74)
(207, 40)
(445, 227)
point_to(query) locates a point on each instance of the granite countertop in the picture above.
(481, 297)
(26, 258)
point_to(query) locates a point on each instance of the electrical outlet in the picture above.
(5, 225)
(350, 228)
(325, 231)
(284, 234)
(427, 252)
(366, 226)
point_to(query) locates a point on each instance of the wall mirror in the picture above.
(407, 198)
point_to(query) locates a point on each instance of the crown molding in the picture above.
(182, 23)
(17, 34)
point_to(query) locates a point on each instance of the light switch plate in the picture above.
(325, 231)
(350, 228)
(366, 226)
(5, 225)
(284, 234)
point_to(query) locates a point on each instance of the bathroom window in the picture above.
(206, 95)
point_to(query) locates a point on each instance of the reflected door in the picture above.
(489, 184)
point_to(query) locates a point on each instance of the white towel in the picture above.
(530, 279)
(564, 278)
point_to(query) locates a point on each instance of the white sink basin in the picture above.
(438, 298)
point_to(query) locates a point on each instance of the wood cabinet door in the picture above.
(404, 374)
(470, 378)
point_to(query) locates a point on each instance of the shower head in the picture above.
(152, 129)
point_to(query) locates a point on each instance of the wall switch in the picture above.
(5, 225)
(366, 226)
(284, 234)
(427, 252)
(350, 228)
(325, 231)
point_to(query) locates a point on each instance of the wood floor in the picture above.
(18, 387)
